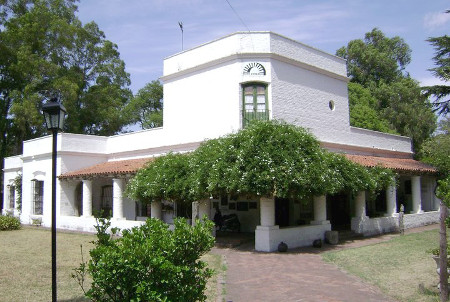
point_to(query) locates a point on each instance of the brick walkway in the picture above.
(299, 275)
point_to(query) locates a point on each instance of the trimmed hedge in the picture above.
(8, 223)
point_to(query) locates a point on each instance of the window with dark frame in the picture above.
(38, 196)
(255, 103)
(12, 196)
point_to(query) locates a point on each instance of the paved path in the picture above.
(299, 275)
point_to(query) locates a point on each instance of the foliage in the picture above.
(363, 113)
(443, 190)
(150, 262)
(406, 109)
(147, 106)
(165, 178)
(436, 150)
(46, 52)
(8, 223)
(387, 99)
(18, 186)
(376, 58)
(442, 71)
(268, 158)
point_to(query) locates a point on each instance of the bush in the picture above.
(8, 223)
(149, 263)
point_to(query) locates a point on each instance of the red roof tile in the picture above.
(398, 164)
(119, 167)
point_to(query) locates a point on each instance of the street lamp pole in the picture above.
(54, 155)
(54, 114)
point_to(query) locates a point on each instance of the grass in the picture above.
(25, 270)
(402, 267)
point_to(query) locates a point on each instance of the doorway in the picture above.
(338, 211)
(282, 212)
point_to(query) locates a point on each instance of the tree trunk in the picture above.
(443, 276)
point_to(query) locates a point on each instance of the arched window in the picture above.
(255, 103)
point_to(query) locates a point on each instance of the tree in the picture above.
(442, 71)
(363, 111)
(47, 52)
(436, 150)
(376, 58)
(378, 64)
(147, 106)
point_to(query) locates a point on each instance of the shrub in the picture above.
(8, 223)
(149, 263)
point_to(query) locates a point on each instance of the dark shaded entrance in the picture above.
(338, 211)
(282, 212)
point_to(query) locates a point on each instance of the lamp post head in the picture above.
(54, 114)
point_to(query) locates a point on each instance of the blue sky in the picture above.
(147, 31)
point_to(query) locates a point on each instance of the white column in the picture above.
(320, 210)
(359, 222)
(391, 200)
(118, 188)
(156, 209)
(195, 211)
(416, 194)
(204, 208)
(360, 204)
(267, 208)
(87, 198)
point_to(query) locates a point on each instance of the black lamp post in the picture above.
(54, 114)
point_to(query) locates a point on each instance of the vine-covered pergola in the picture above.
(266, 159)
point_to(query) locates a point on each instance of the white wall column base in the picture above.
(320, 222)
(358, 223)
(267, 239)
(264, 238)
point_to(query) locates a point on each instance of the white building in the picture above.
(212, 90)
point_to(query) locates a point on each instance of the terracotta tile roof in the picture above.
(120, 167)
(397, 164)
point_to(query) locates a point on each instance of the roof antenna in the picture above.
(182, 33)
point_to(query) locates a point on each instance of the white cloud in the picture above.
(436, 20)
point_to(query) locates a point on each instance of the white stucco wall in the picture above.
(267, 239)
(302, 97)
(375, 226)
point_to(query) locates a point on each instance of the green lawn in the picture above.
(401, 267)
(25, 270)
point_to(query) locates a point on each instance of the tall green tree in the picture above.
(146, 107)
(436, 150)
(364, 112)
(386, 93)
(441, 71)
(46, 52)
